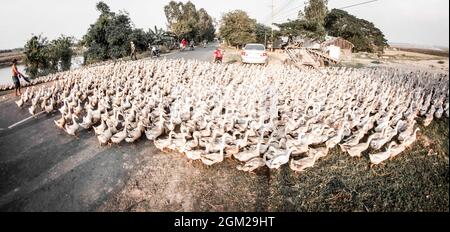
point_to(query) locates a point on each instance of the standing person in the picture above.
(218, 55)
(133, 51)
(15, 76)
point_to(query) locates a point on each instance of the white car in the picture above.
(254, 53)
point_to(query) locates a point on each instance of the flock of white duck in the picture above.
(259, 115)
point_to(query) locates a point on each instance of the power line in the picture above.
(357, 4)
(283, 7)
(290, 12)
(277, 11)
(291, 9)
(295, 9)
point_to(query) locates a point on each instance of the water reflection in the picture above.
(6, 73)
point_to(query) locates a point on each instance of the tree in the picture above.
(59, 54)
(43, 57)
(300, 15)
(182, 19)
(110, 36)
(316, 11)
(103, 8)
(309, 23)
(186, 22)
(205, 26)
(303, 28)
(156, 36)
(237, 28)
(262, 33)
(161, 37)
(117, 34)
(363, 34)
(34, 55)
(140, 39)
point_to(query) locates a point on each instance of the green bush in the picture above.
(238, 28)
(43, 57)
(110, 36)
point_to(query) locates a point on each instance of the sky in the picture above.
(421, 22)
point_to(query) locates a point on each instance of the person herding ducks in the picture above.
(15, 77)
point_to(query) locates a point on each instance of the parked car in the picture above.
(254, 53)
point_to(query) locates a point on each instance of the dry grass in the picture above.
(416, 180)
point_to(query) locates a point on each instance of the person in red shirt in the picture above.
(218, 55)
(184, 43)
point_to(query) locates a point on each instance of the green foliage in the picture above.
(103, 8)
(262, 33)
(110, 36)
(363, 34)
(316, 11)
(140, 39)
(117, 34)
(159, 37)
(34, 55)
(304, 28)
(186, 22)
(43, 57)
(59, 54)
(205, 26)
(309, 23)
(237, 28)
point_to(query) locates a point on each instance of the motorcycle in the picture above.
(155, 52)
(218, 60)
(182, 47)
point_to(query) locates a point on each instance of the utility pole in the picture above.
(265, 38)
(271, 26)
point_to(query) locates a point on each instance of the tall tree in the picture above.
(316, 11)
(237, 28)
(160, 37)
(362, 33)
(262, 33)
(302, 28)
(186, 22)
(43, 57)
(59, 53)
(140, 39)
(34, 55)
(205, 26)
(109, 36)
(182, 19)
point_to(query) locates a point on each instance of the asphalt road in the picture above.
(44, 169)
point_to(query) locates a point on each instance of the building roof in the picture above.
(338, 41)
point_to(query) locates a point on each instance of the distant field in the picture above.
(434, 52)
(7, 57)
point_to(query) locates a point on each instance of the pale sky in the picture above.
(423, 22)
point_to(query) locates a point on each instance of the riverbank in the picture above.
(6, 58)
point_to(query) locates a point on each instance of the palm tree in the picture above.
(157, 36)
(161, 37)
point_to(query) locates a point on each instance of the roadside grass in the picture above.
(415, 180)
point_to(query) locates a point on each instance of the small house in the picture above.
(345, 46)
